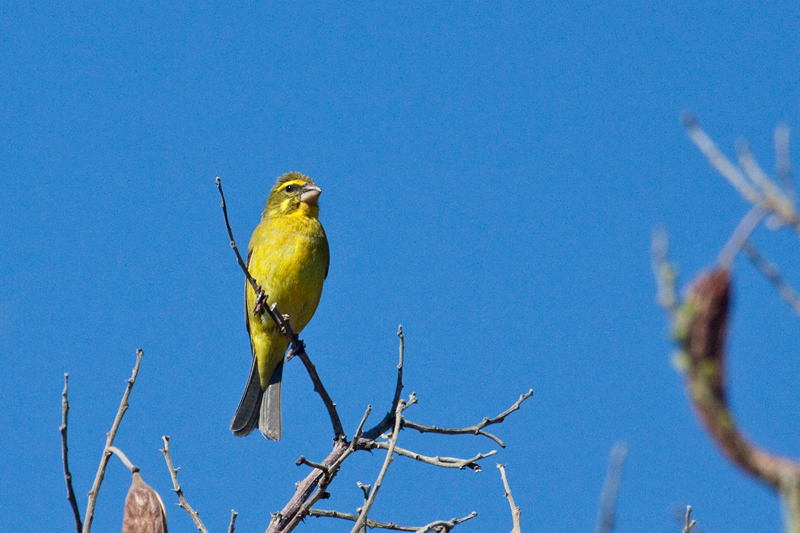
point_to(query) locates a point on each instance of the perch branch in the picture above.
(101, 471)
(65, 456)
(319, 388)
(173, 472)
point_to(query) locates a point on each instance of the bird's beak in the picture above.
(310, 194)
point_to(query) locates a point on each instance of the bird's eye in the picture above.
(289, 188)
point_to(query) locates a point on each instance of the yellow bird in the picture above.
(289, 257)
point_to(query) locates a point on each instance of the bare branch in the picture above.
(665, 273)
(319, 388)
(231, 527)
(477, 429)
(98, 480)
(608, 498)
(173, 472)
(250, 279)
(65, 456)
(770, 271)
(360, 428)
(398, 389)
(689, 522)
(323, 513)
(305, 496)
(124, 458)
(388, 419)
(444, 526)
(734, 176)
(740, 235)
(444, 462)
(755, 187)
(398, 415)
(303, 461)
(783, 161)
(757, 176)
(515, 511)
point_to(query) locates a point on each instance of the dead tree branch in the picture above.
(516, 512)
(101, 471)
(65, 456)
(173, 472)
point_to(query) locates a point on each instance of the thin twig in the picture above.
(783, 161)
(65, 456)
(515, 511)
(443, 526)
(324, 513)
(303, 461)
(124, 458)
(772, 274)
(755, 187)
(231, 527)
(477, 429)
(239, 259)
(101, 471)
(734, 176)
(173, 472)
(665, 273)
(444, 462)
(398, 389)
(757, 176)
(608, 498)
(740, 235)
(689, 522)
(388, 419)
(319, 388)
(398, 414)
(360, 428)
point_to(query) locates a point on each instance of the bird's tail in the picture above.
(260, 409)
(270, 418)
(246, 418)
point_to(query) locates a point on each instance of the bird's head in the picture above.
(293, 193)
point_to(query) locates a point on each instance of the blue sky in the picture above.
(491, 175)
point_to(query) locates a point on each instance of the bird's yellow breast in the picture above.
(289, 259)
